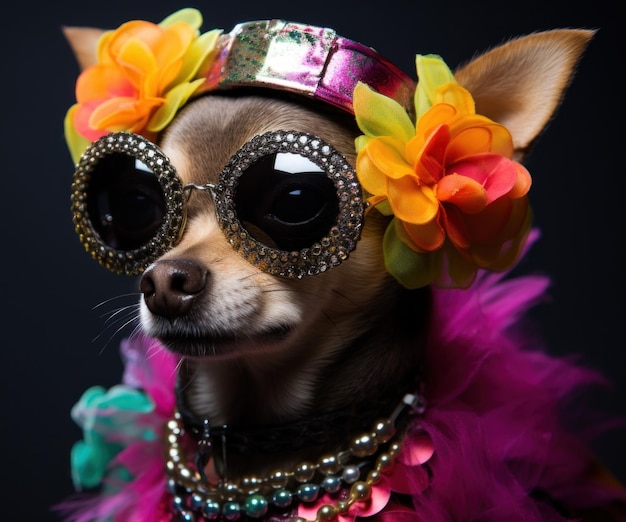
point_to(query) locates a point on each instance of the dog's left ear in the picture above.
(84, 43)
(520, 83)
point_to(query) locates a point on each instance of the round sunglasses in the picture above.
(288, 202)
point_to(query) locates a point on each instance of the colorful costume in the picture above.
(486, 436)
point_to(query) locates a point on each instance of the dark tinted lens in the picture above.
(286, 200)
(125, 202)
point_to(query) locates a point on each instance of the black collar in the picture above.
(309, 431)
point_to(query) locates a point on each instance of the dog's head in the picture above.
(289, 267)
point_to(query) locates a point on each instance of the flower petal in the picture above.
(429, 162)
(82, 121)
(102, 51)
(170, 52)
(411, 201)
(382, 205)
(139, 30)
(387, 154)
(457, 96)
(100, 82)
(123, 114)
(458, 271)
(494, 172)
(423, 238)
(455, 225)
(409, 268)
(137, 61)
(432, 73)
(504, 255)
(188, 15)
(439, 114)
(75, 142)
(201, 51)
(522, 183)
(477, 134)
(495, 223)
(463, 192)
(371, 178)
(174, 100)
(378, 115)
(360, 142)
(468, 140)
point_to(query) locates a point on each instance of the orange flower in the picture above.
(458, 199)
(145, 73)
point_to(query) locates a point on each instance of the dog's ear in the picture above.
(521, 82)
(84, 43)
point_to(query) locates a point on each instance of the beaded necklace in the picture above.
(348, 475)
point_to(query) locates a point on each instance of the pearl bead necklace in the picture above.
(369, 454)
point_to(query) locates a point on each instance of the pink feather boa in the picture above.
(496, 420)
(497, 412)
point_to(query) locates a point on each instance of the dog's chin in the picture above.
(224, 345)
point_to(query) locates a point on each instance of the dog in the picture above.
(282, 367)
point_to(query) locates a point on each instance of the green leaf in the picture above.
(75, 142)
(188, 15)
(198, 52)
(379, 115)
(411, 269)
(432, 73)
(174, 100)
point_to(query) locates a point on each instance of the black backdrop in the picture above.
(50, 287)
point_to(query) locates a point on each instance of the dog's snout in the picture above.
(170, 287)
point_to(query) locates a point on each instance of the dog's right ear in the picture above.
(84, 43)
(521, 83)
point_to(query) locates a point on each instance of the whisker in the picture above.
(136, 331)
(113, 314)
(179, 365)
(118, 324)
(123, 325)
(190, 375)
(117, 319)
(119, 316)
(111, 299)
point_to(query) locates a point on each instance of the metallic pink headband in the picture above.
(305, 60)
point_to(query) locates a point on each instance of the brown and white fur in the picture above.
(259, 350)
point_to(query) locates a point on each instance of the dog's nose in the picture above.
(170, 287)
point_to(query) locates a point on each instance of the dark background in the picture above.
(56, 344)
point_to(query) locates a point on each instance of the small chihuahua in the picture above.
(319, 371)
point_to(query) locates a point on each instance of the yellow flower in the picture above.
(144, 74)
(458, 199)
